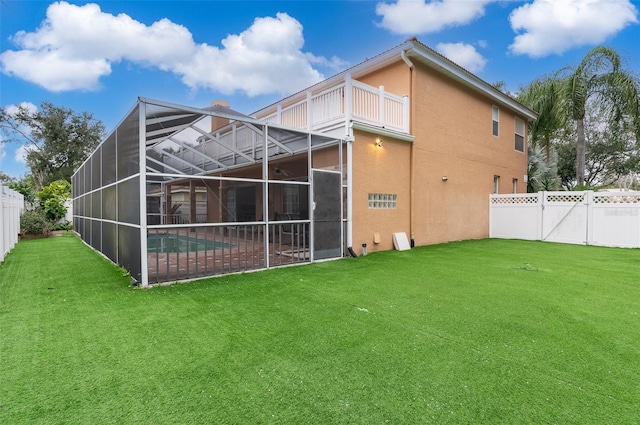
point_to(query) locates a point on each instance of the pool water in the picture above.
(169, 242)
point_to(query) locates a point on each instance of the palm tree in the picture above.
(599, 78)
(542, 170)
(542, 95)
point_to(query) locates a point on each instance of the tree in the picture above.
(563, 101)
(611, 152)
(53, 198)
(542, 170)
(57, 139)
(599, 78)
(6, 179)
(25, 186)
(543, 96)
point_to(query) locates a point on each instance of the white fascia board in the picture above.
(465, 77)
(356, 125)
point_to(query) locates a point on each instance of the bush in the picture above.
(35, 223)
(53, 197)
(66, 225)
(54, 208)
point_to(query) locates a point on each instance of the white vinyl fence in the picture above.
(11, 206)
(591, 218)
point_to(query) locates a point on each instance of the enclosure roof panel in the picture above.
(164, 119)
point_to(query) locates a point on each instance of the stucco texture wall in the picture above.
(383, 170)
(452, 126)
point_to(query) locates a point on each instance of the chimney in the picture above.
(217, 122)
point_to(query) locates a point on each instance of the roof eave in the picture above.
(425, 55)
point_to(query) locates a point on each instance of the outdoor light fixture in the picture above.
(379, 142)
(445, 178)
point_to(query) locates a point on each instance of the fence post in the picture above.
(406, 111)
(490, 216)
(381, 115)
(540, 224)
(2, 224)
(588, 199)
(11, 206)
(309, 111)
(348, 103)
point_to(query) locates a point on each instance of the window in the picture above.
(496, 184)
(383, 200)
(515, 186)
(496, 121)
(519, 136)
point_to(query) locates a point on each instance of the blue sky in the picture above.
(99, 57)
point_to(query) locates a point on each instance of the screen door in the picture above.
(327, 214)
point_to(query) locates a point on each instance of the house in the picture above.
(426, 134)
(406, 141)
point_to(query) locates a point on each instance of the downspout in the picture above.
(403, 55)
(349, 235)
(349, 139)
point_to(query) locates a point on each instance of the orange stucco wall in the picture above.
(453, 130)
(382, 170)
(394, 78)
(452, 162)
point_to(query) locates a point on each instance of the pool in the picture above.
(170, 242)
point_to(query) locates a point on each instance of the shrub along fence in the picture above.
(11, 206)
(588, 218)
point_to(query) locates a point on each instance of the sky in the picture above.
(100, 56)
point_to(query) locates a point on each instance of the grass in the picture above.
(490, 331)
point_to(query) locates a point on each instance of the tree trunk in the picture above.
(547, 150)
(580, 152)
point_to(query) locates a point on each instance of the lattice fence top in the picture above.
(571, 197)
(567, 198)
(510, 200)
(616, 198)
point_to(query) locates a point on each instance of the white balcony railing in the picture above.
(349, 100)
(321, 111)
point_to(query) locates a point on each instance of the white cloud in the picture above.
(464, 55)
(12, 109)
(265, 58)
(20, 154)
(59, 74)
(555, 26)
(79, 44)
(412, 17)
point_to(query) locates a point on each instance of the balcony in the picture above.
(340, 104)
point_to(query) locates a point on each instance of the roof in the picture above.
(411, 50)
(435, 60)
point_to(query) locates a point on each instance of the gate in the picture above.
(591, 218)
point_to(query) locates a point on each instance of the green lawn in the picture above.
(490, 331)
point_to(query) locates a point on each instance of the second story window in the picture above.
(519, 135)
(495, 121)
